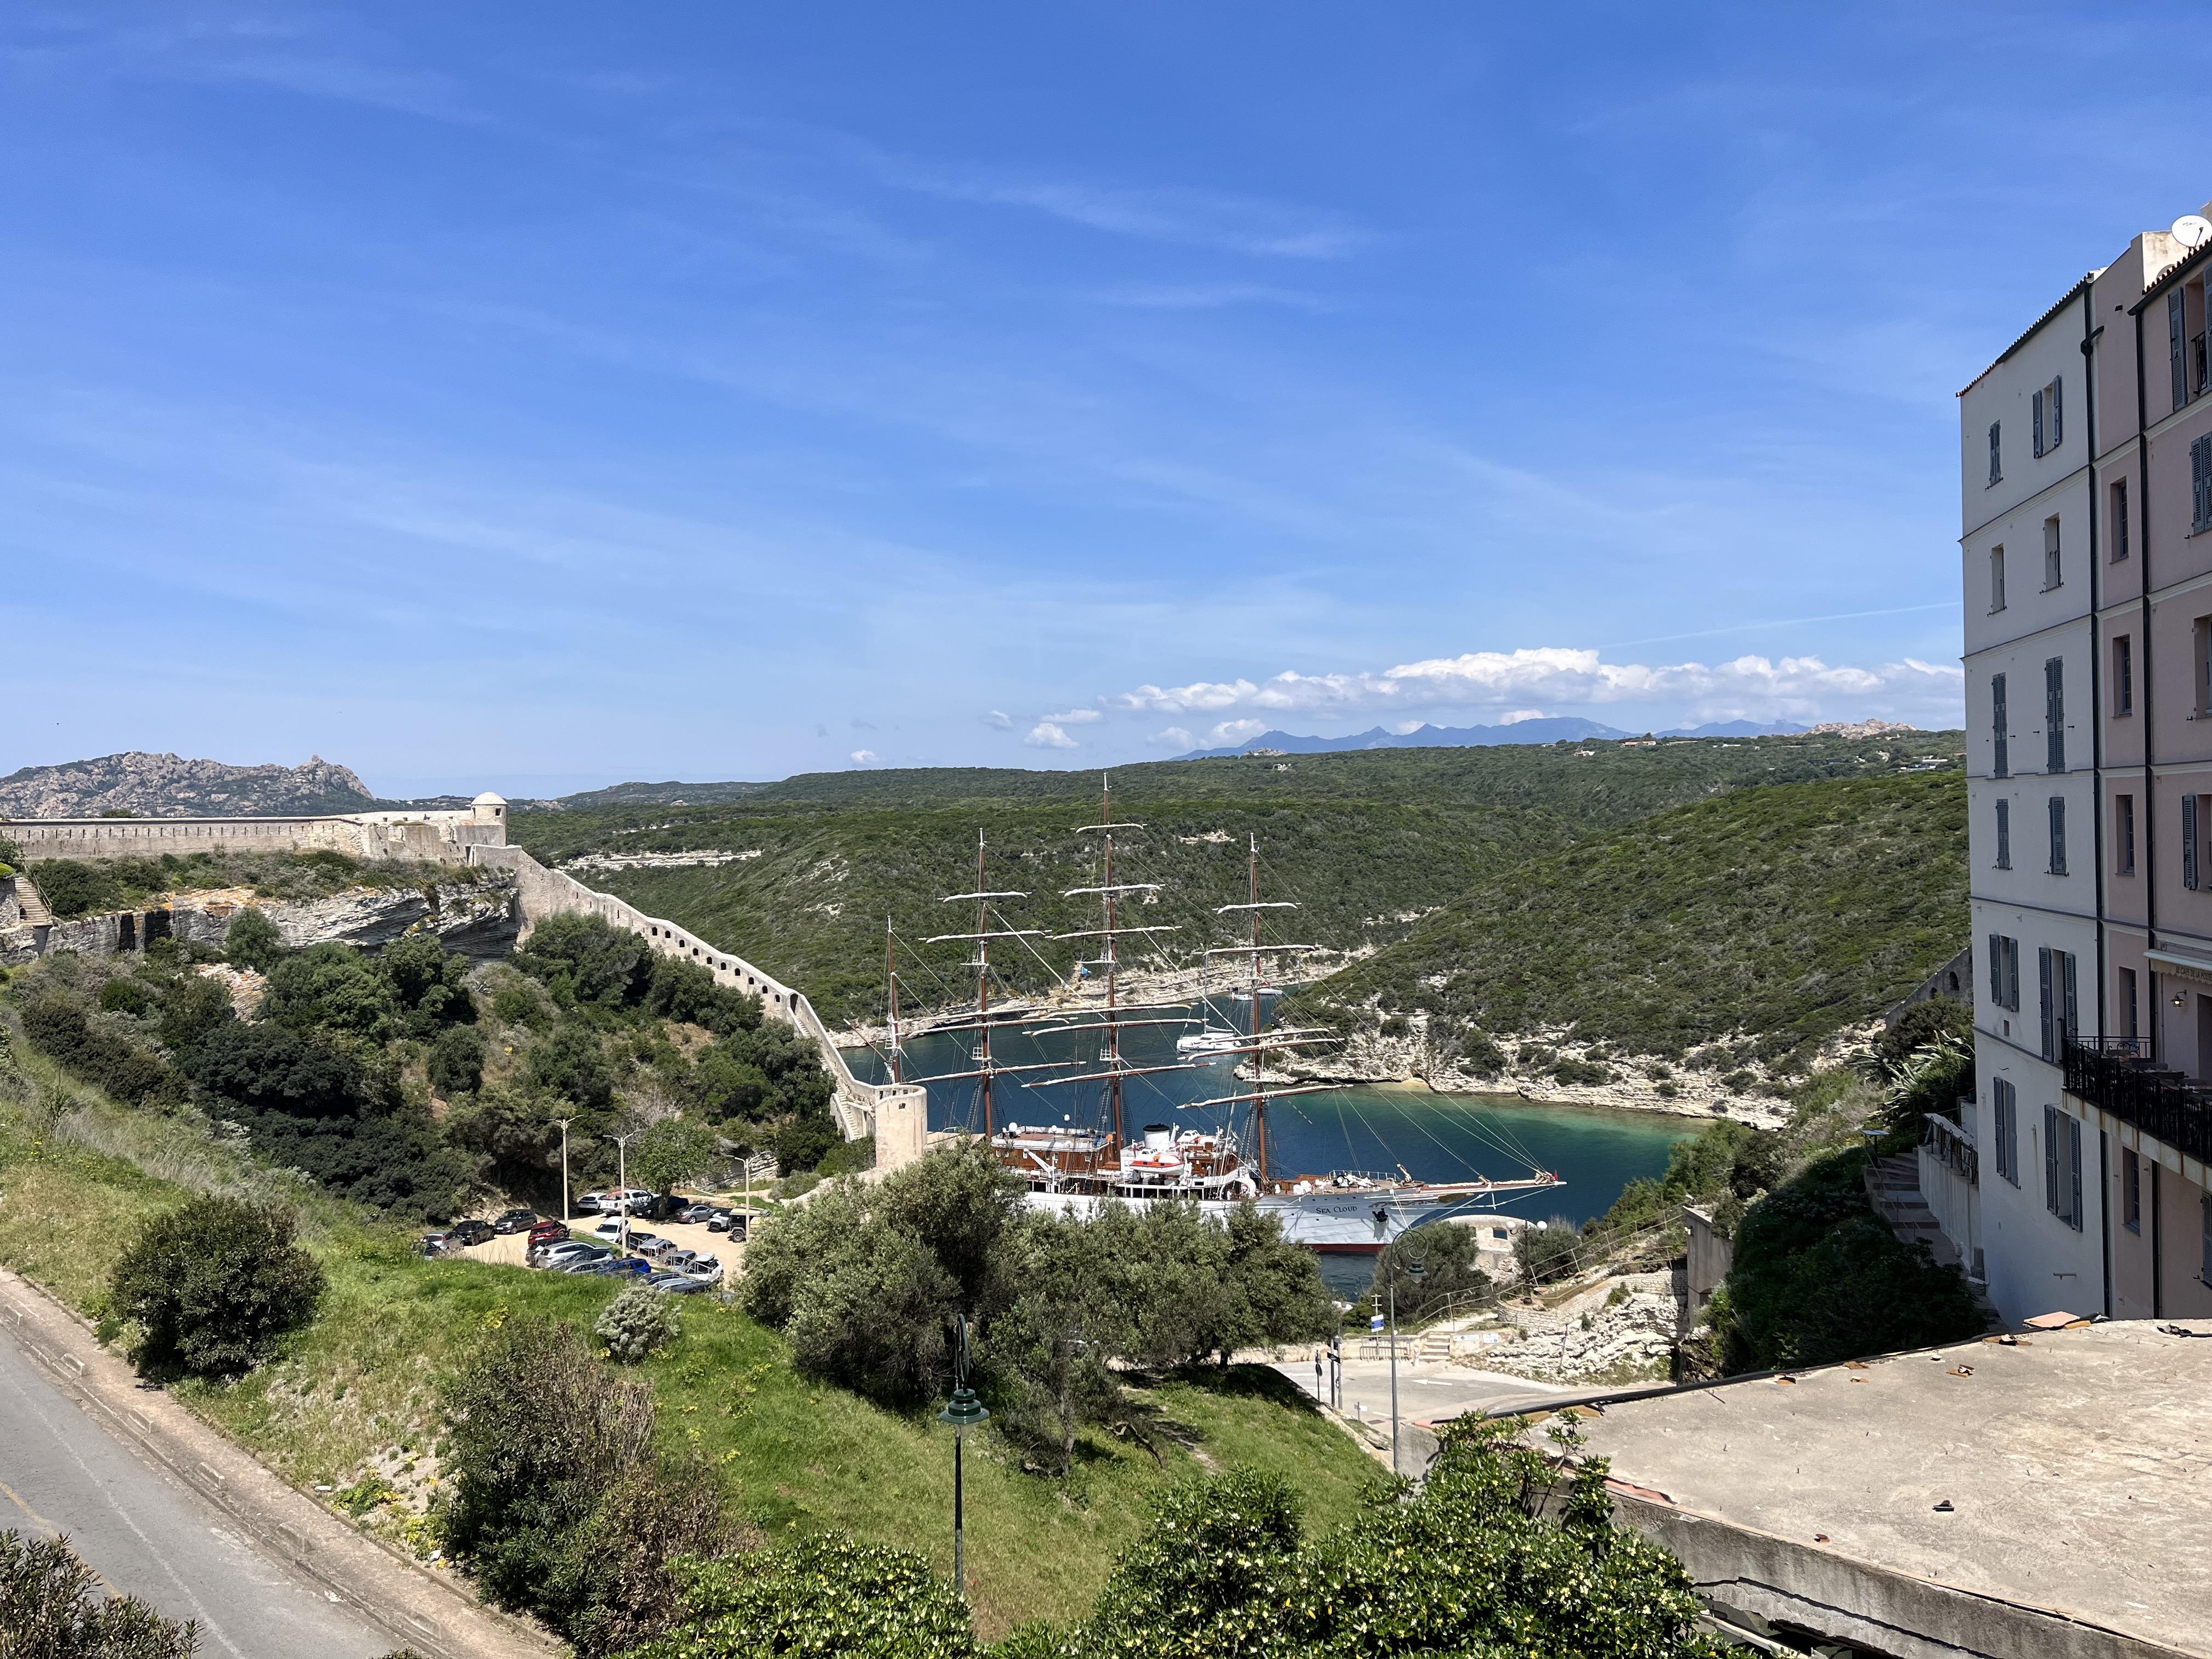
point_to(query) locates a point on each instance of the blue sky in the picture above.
(547, 396)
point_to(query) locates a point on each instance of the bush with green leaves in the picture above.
(636, 1323)
(1818, 1278)
(1451, 1259)
(93, 1047)
(825, 1595)
(214, 1286)
(54, 1606)
(252, 941)
(559, 1505)
(1552, 1250)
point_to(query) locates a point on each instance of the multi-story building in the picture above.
(2086, 544)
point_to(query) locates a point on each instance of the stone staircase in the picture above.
(1893, 1186)
(33, 904)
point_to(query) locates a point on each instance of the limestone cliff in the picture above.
(476, 917)
(169, 786)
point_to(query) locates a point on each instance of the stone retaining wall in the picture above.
(896, 1113)
(438, 837)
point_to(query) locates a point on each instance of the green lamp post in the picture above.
(1415, 1269)
(963, 1412)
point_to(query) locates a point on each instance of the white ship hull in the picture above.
(1352, 1221)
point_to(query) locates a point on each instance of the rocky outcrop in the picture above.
(169, 786)
(475, 918)
(1619, 1331)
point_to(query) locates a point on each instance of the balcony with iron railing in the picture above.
(2118, 1075)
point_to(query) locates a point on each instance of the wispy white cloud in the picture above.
(1557, 675)
(1074, 717)
(999, 720)
(1197, 218)
(1235, 731)
(865, 757)
(1046, 735)
(1174, 737)
(1203, 296)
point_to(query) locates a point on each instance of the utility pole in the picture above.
(564, 1122)
(621, 1181)
(963, 1412)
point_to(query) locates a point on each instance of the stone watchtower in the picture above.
(488, 820)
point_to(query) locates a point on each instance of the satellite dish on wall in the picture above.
(2192, 230)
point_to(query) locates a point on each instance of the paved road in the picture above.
(149, 1536)
(1427, 1392)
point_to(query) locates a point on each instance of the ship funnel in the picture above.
(1159, 1137)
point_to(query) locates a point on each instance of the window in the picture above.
(2056, 1000)
(2051, 576)
(1996, 578)
(2004, 834)
(2130, 1191)
(2059, 834)
(2048, 412)
(2062, 1166)
(2003, 769)
(2118, 540)
(2123, 676)
(2004, 1108)
(2189, 841)
(2123, 835)
(2054, 715)
(2128, 1007)
(2176, 337)
(1996, 464)
(2005, 972)
(2200, 484)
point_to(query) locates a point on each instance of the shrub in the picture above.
(192, 1006)
(59, 1027)
(1550, 1251)
(252, 941)
(559, 1506)
(457, 1061)
(1818, 1278)
(126, 995)
(54, 1606)
(1920, 1025)
(213, 1284)
(332, 988)
(1450, 1259)
(636, 1322)
(427, 984)
(1581, 1074)
(827, 1594)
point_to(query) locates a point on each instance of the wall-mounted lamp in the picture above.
(2179, 998)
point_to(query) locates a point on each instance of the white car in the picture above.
(707, 1270)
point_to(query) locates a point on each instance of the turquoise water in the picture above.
(1432, 1136)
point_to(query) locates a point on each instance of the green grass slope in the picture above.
(353, 1399)
(1785, 913)
(1366, 841)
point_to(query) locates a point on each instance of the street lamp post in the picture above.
(963, 1412)
(622, 1183)
(564, 1122)
(1414, 1270)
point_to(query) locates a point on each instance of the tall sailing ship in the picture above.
(1071, 1166)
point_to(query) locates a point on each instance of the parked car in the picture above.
(678, 1283)
(585, 1204)
(695, 1214)
(515, 1221)
(610, 1228)
(547, 1232)
(472, 1232)
(676, 1261)
(434, 1244)
(722, 1221)
(572, 1249)
(652, 1245)
(707, 1270)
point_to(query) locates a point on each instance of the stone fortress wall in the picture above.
(896, 1115)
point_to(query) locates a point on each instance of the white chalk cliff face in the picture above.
(169, 786)
(476, 918)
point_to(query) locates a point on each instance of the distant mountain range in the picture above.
(170, 787)
(1548, 729)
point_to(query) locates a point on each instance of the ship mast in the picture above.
(986, 1066)
(1259, 1044)
(890, 978)
(1111, 893)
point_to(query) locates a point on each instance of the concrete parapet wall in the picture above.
(541, 892)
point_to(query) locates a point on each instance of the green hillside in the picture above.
(1366, 841)
(1785, 913)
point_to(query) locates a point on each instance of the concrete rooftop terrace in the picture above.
(2076, 1466)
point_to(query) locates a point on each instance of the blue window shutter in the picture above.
(2045, 1006)
(2173, 345)
(1995, 470)
(2074, 1169)
(2035, 405)
(2072, 1004)
(2054, 714)
(2189, 841)
(2011, 975)
(2059, 834)
(1998, 720)
(2050, 1159)
(2004, 834)
(1996, 969)
(2057, 419)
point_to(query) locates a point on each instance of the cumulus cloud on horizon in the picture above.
(1047, 735)
(1556, 675)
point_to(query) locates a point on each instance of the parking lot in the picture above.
(508, 1247)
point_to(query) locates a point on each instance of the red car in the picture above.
(548, 1232)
